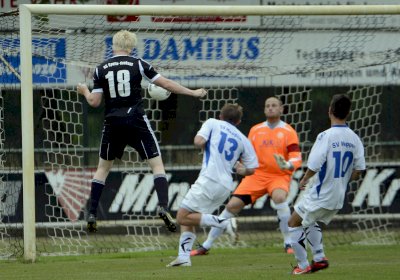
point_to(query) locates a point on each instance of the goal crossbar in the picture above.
(201, 10)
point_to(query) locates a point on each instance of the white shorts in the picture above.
(205, 196)
(312, 214)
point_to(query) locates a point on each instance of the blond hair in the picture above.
(124, 41)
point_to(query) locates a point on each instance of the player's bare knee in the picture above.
(279, 196)
(294, 220)
(232, 208)
(181, 216)
(237, 202)
(291, 223)
(278, 199)
(179, 220)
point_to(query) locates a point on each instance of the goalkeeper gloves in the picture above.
(283, 164)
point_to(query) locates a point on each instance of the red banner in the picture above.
(123, 18)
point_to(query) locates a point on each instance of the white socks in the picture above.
(212, 235)
(213, 221)
(314, 238)
(313, 235)
(283, 213)
(298, 242)
(216, 232)
(185, 245)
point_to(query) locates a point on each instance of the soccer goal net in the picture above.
(303, 54)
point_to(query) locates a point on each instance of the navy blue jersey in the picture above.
(119, 79)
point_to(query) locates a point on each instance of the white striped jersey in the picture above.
(225, 145)
(335, 154)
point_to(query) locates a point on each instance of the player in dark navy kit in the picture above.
(118, 79)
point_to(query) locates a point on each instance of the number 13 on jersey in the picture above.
(227, 145)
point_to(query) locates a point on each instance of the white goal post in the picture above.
(26, 12)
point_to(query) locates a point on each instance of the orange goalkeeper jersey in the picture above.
(280, 139)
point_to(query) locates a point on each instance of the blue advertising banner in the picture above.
(48, 55)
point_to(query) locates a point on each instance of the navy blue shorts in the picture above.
(134, 131)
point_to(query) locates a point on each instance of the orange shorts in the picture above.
(257, 186)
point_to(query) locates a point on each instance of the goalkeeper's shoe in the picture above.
(322, 264)
(178, 262)
(231, 229)
(167, 219)
(297, 270)
(91, 223)
(289, 249)
(200, 251)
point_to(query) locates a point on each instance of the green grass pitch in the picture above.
(346, 262)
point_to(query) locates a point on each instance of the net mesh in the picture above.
(245, 64)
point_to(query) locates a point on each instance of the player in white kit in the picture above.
(225, 148)
(336, 158)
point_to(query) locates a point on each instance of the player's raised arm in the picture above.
(176, 88)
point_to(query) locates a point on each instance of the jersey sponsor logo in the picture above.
(267, 143)
(270, 143)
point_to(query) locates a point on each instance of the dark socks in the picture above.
(161, 185)
(97, 188)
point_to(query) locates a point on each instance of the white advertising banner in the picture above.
(249, 59)
(339, 22)
(254, 59)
